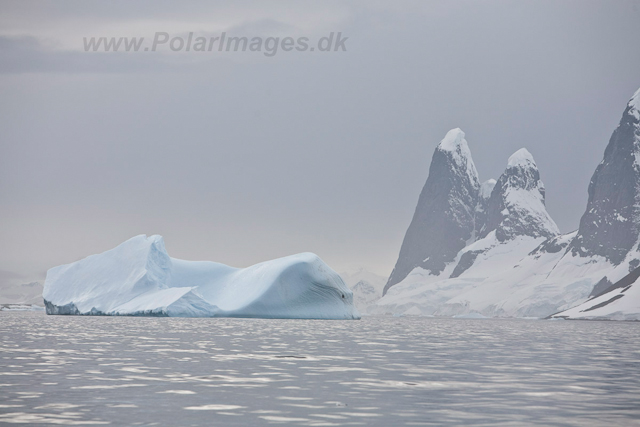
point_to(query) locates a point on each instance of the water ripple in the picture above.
(379, 371)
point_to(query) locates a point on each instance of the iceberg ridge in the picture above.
(138, 278)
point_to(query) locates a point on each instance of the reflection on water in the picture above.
(378, 371)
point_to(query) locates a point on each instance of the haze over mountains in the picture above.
(493, 249)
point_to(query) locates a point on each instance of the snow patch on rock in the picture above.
(523, 158)
(634, 105)
(486, 188)
(517, 203)
(455, 143)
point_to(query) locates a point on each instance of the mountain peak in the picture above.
(444, 219)
(457, 149)
(453, 140)
(517, 203)
(522, 157)
(611, 223)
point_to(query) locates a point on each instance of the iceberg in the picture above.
(138, 278)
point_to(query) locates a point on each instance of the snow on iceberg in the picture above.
(138, 278)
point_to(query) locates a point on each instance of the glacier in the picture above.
(138, 278)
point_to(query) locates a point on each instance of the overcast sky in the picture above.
(239, 157)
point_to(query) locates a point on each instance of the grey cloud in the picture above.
(30, 55)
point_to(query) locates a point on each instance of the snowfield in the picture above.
(138, 278)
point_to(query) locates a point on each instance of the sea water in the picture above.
(382, 371)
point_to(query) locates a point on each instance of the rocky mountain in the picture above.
(486, 188)
(520, 266)
(510, 222)
(443, 221)
(517, 203)
(515, 208)
(610, 225)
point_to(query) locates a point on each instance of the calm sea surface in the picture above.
(380, 371)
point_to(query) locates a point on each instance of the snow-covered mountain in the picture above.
(516, 206)
(510, 223)
(26, 293)
(609, 227)
(443, 221)
(139, 278)
(366, 287)
(519, 265)
(609, 233)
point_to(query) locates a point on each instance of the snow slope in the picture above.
(620, 302)
(427, 294)
(139, 278)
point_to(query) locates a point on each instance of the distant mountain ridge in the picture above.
(26, 293)
(366, 287)
(515, 262)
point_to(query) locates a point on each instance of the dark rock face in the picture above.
(611, 223)
(551, 246)
(486, 188)
(600, 288)
(444, 219)
(517, 203)
(466, 261)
